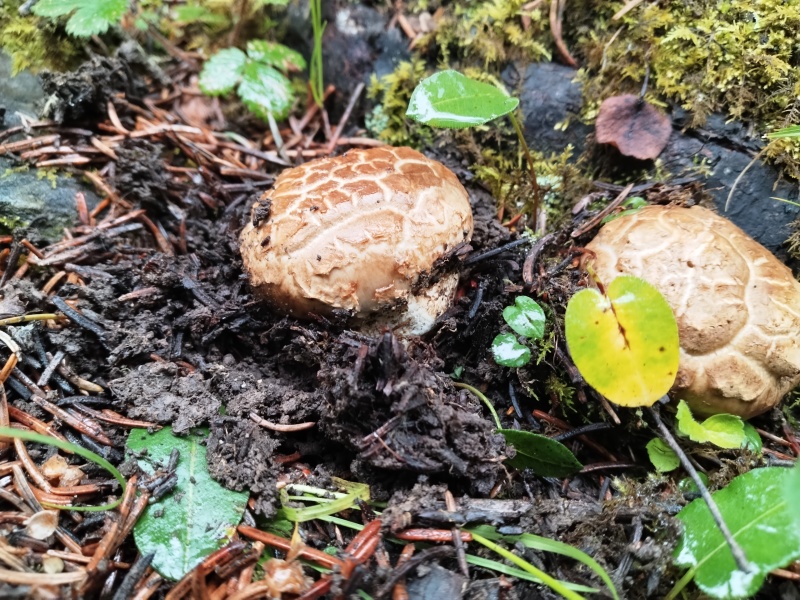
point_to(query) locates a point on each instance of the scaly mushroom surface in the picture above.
(737, 306)
(360, 233)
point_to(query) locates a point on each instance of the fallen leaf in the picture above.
(633, 126)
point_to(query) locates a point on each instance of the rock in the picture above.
(19, 94)
(549, 95)
(43, 205)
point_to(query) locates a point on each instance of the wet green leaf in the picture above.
(544, 456)
(624, 343)
(449, 99)
(87, 17)
(276, 55)
(222, 71)
(508, 352)
(526, 317)
(662, 456)
(264, 90)
(752, 441)
(724, 431)
(197, 518)
(763, 519)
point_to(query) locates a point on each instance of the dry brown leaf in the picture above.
(633, 126)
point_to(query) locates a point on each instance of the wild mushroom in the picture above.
(363, 233)
(737, 306)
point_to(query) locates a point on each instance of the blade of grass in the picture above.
(499, 567)
(30, 436)
(550, 582)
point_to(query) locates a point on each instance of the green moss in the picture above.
(491, 32)
(393, 91)
(736, 57)
(35, 43)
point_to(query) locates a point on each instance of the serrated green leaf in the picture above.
(544, 456)
(662, 456)
(449, 99)
(222, 71)
(88, 17)
(275, 55)
(197, 518)
(724, 431)
(264, 90)
(624, 343)
(763, 519)
(508, 352)
(526, 317)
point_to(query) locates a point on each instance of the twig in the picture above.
(343, 121)
(591, 223)
(738, 554)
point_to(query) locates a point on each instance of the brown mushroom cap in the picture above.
(357, 232)
(737, 306)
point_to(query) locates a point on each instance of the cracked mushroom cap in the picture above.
(737, 306)
(359, 233)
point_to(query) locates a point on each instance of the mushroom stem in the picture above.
(738, 554)
(534, 182)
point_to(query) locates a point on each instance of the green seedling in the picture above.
(258, 77)
(662, 456)
(86, 17)
(315, 68)
(197, 518)
(722, 430)
(527, 319)
(451, 100)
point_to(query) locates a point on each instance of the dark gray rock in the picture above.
(19, 94)
(43, 205)
(549, 95)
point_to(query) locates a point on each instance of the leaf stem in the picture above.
(738, 554)
(534, 182)
(483, 399)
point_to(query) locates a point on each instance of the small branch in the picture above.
(738, 554)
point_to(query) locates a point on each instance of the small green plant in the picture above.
(86, 17)
(662, 456)
(722, 430)
(258, 77)
(527, 319)
(182, 533)
(315, 68)
(450, 100)
(761, 509)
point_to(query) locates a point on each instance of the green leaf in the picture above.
(662, 456)
(275, 55)
(89, 17)
(752, 441)
(624, 343)
(222, 71)
(763, 519)
(264, 90)
(508, 352)
(449, 99)
(197, 518)
(195, 13)
(688, 486)
(724, 431)
(544, 456)
(526, 317)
